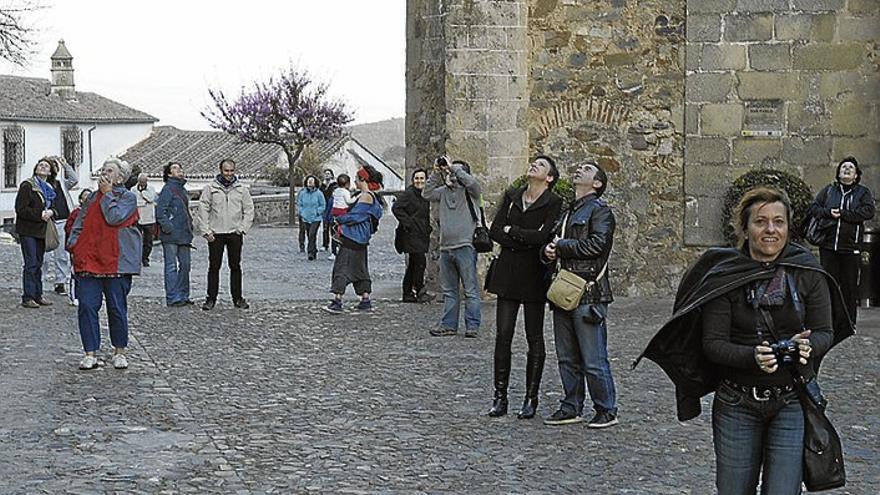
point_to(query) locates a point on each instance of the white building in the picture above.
(39, 117)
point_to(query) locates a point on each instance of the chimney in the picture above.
(62, 73)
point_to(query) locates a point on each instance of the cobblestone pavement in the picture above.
(284, 398)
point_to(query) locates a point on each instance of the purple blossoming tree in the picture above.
(291, 111)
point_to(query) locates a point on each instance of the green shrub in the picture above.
(798, 192)
(564, 188)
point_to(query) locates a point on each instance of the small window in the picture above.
(71, 145)
(13, 155)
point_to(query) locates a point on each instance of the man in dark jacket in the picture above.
(413, 236)
(842, 207)
(327, 187)
(176, 233)
(582, 245)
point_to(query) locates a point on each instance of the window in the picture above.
(71, 145)
(13, 155)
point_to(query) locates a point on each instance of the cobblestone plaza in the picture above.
(285, 398)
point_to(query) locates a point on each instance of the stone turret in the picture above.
(62, 73)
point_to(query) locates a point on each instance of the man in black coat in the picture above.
(413, 236)
(582, 245)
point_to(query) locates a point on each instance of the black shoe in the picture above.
(60, 289)
(603, 419)
(30, 303)
(43, 301)
(241, 304)
(410, 298)
(208, 305)
(562, 417)
(177, 304)
(529, 408)
(189, 302)
(425, 297)
(499, 405)
(534, 370)
(442, 332)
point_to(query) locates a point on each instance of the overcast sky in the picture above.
(161, 56)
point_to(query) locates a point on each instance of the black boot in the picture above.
(534, 370)
(499, 403)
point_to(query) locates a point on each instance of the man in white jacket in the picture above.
(226, 213)
(146, 197)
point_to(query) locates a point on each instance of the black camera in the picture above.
(785, 351)
(441, 162)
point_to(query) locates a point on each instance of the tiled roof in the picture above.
(199, 152)
(30, 99)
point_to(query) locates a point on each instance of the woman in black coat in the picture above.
(33, 210)
(413, 236)
(523, 224)
(843, 206)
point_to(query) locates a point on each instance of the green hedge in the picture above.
(798, 192)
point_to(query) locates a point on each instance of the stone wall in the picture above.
(607, 82)
(786, 83)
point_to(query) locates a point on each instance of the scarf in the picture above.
(48, 191)
(773, 295)
(227, 183)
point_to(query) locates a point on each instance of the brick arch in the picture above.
(593, 109)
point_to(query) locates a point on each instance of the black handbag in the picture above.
(490, 274)
(823, 467)
(813, 231)
(482, 242)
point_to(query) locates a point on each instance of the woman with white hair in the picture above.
(106, 247)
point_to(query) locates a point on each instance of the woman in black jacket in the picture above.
(33, 209)
(413, 236)
(523, 224)
(843, 206)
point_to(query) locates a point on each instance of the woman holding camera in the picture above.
(743, 318)
(523, 224)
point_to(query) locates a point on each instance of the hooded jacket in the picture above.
(310, 205)
(856, 204)
(678, 347)
(457, 222)
(225, 210)
(172, 213)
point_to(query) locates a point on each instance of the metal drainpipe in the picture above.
(91, 158)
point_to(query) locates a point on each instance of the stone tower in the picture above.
(62, 73)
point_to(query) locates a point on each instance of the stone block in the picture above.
(468, 118)
(859, 28)
(775, 57)
(827, 56)
(702, 221)
(761, 5)
(755, 151)
(471, 147)
(848, 84)
(543, 8)
(702, 87)
(706, 150)
(863, 7)
(852, 118)
(750, 27)
(767, 86)
(866, 150)
(818, 176)
(710, 6)
(817, 5)
(808, 119)
(798, 151)
(703, 27)
(692, 119)
(812, 27)
(706, 180)
(517, 38)
(506, 115)
(508, 143)
(723, 119)
(723, 57)
(492, 38)
(486, 62)
(693, 54)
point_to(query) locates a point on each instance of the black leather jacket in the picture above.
(586, 243)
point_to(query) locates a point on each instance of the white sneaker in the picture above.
(120, 362)
(88, 362)
(331, 257)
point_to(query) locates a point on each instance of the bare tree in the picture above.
(16, 36)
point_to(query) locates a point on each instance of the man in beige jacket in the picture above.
(226, 213)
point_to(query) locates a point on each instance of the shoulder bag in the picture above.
(567, 288)
(52, 238)
(482, 242)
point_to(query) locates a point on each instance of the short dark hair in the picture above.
(600, 176)
(166, 170)
(310, 176)
(225, 160)
(553, 172)
(743, 211)
(855, 162)
(463, 164)
(414, 172)
(343, 180)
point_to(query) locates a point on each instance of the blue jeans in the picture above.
(750, 434)
(459, 265)
(90, 292)
(32, 250)
(582, 352)
(177, 263)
